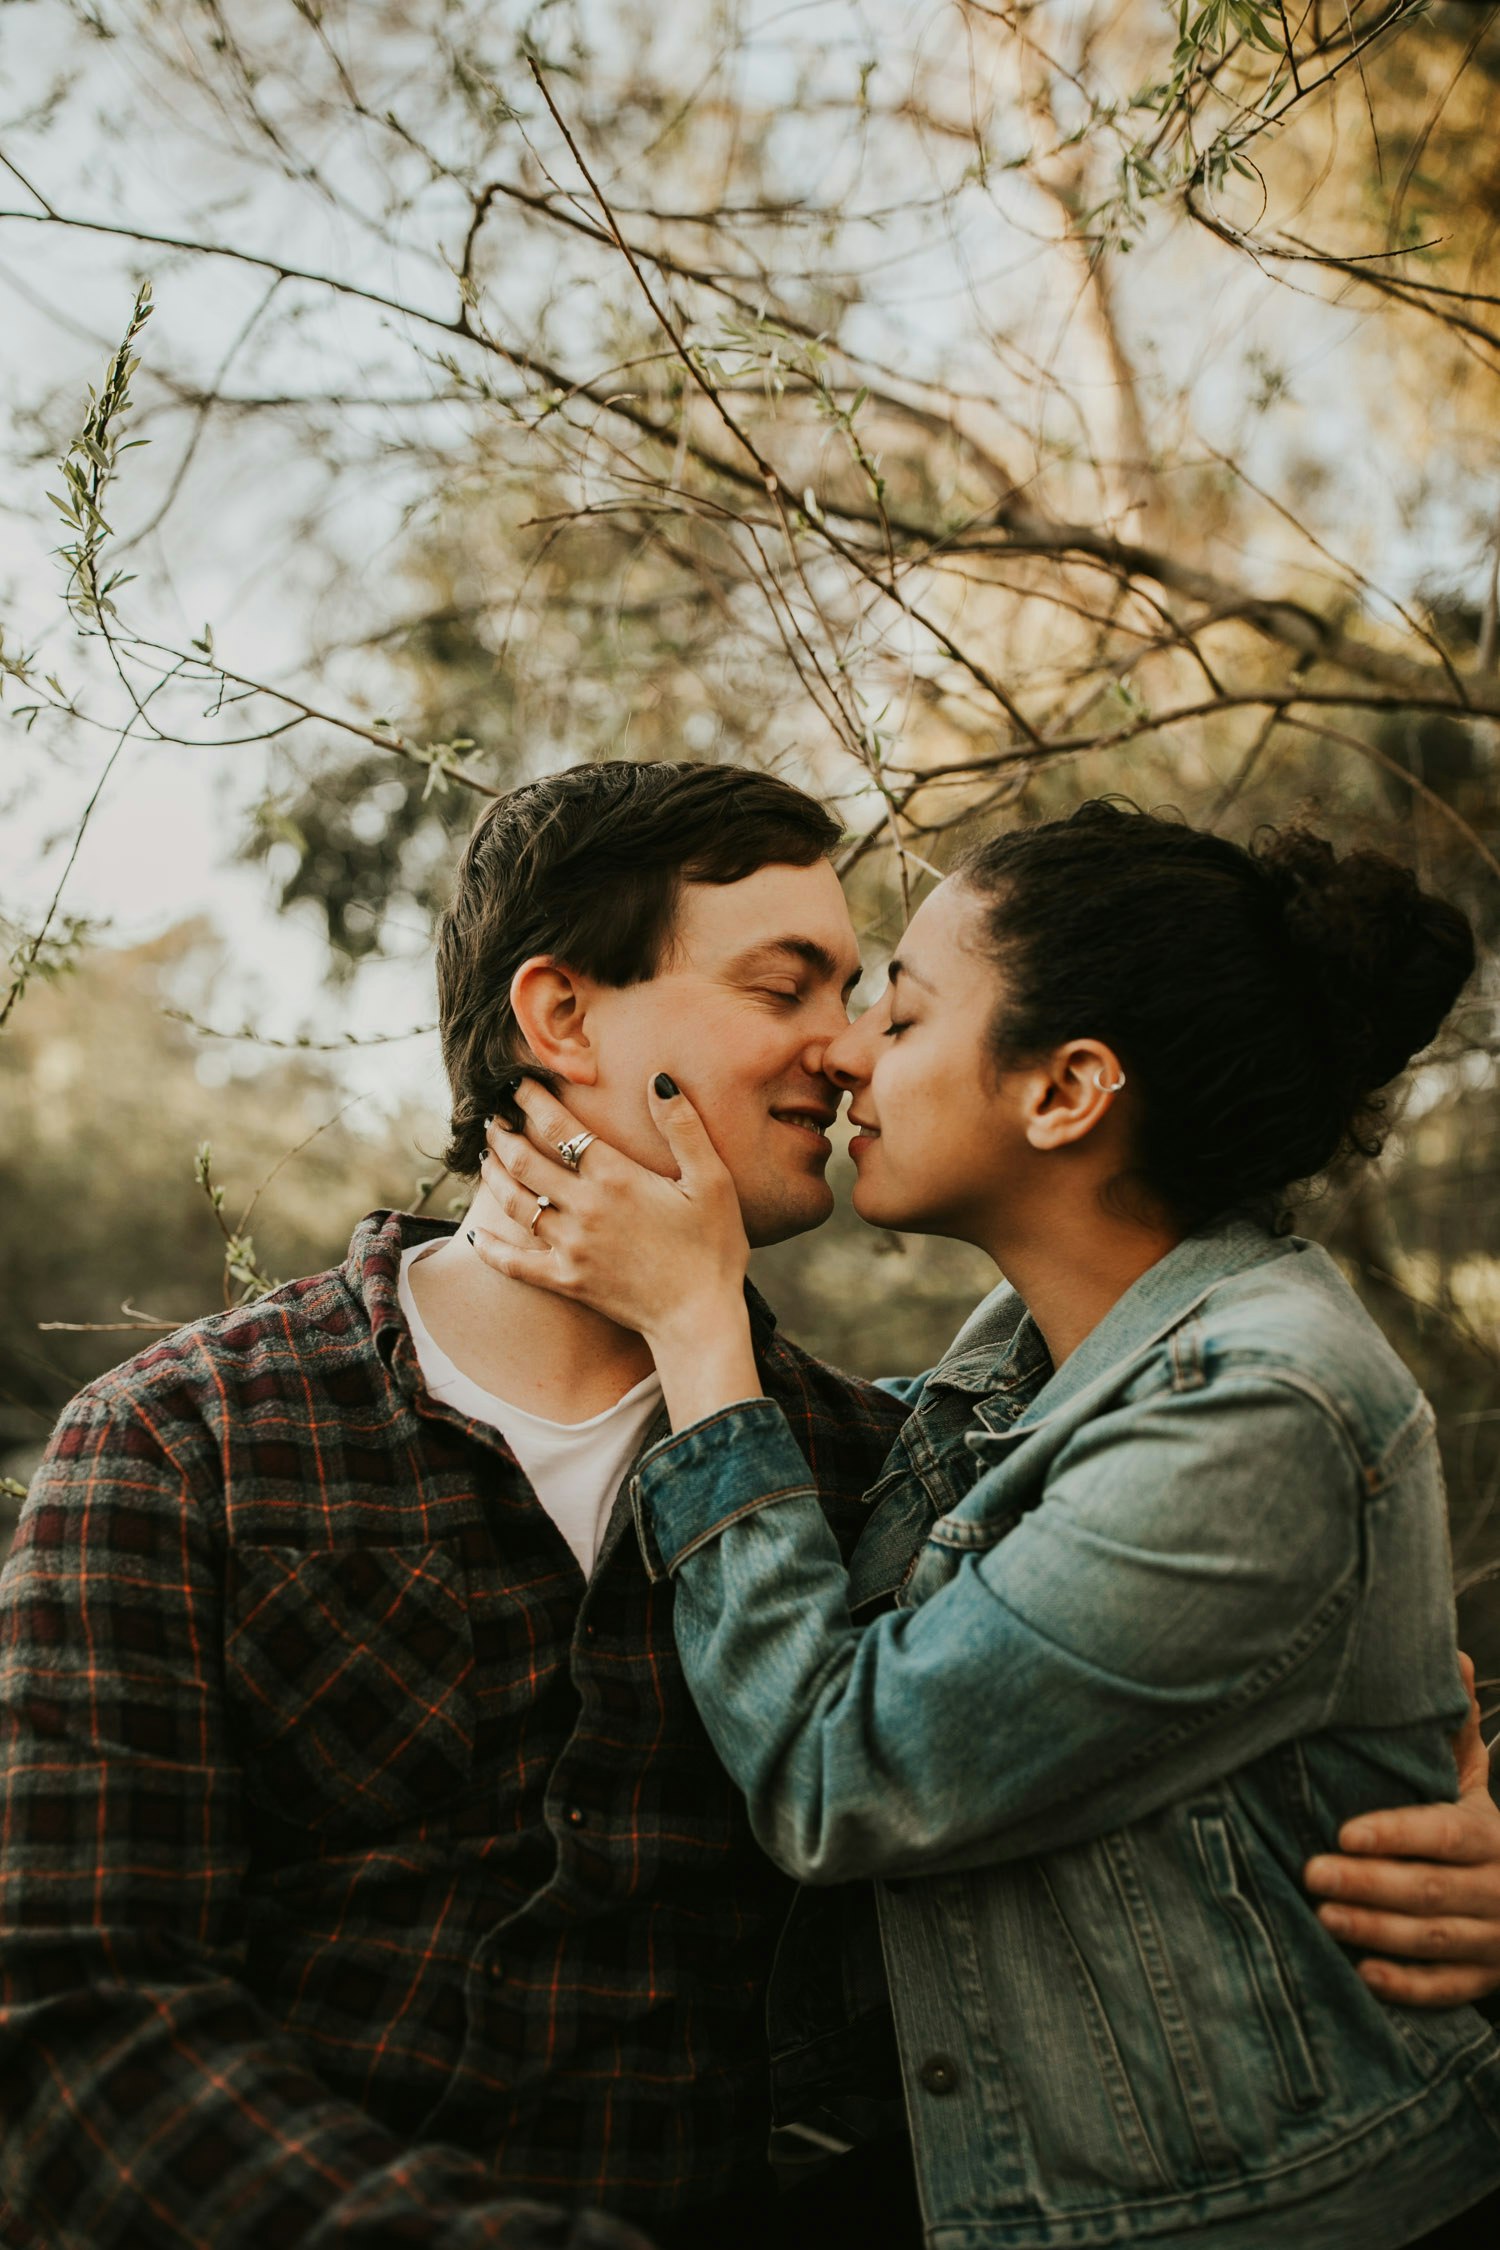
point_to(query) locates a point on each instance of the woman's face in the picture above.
(936, 1139)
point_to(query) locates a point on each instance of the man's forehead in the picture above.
(799, 908)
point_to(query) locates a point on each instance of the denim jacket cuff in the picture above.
(697, 1482)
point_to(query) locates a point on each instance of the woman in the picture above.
(1155, 1589)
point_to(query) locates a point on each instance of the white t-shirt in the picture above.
(574, 1468)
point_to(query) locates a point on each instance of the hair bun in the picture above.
(1385, 958)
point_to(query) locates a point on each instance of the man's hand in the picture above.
(1423, 1884)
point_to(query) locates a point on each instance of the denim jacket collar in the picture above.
(1154, 1305)
(999, 1349)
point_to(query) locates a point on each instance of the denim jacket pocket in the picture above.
(1231, 1883)
(349, 1676)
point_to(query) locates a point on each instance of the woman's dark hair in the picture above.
(587, 865)
(1258, 1000)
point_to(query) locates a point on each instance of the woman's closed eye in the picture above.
(893, 1029)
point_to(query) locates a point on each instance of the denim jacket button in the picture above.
(939, 2075)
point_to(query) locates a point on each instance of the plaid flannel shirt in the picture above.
(365, 1877)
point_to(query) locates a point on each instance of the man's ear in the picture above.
(1071, 1094)
(550, 1003)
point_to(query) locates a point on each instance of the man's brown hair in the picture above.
(587, 866)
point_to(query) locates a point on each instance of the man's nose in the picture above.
(823, 1026)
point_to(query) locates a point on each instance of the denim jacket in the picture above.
(1121, 1645)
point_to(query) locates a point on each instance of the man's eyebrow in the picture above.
(810, 951)
(900, 968)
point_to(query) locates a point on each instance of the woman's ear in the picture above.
(550, 1003)
(1072, 1093)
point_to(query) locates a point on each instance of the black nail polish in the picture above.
(665, 1087)
(469, 1232)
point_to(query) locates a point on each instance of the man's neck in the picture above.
(523, 1345)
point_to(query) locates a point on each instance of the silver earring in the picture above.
(1108, 1085)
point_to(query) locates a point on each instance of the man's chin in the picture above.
(795, 1210)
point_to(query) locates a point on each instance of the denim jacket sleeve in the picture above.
(1179, 1601)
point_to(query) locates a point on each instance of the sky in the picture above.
(160, 847)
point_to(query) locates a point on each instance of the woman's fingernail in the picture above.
(666, 1087)
(469, 1232)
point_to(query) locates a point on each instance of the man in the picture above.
(365, 1874)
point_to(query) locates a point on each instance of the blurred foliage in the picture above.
(102, 1113)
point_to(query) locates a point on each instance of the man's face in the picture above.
(754, 986)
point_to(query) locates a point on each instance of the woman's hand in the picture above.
(1423, 1883)
(664, 1257)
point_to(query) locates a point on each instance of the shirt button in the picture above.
(939, 2075)
(575, 1816)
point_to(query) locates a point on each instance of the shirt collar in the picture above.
(372, 1272)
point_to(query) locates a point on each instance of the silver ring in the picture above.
(571, 1152)
(543, 1203)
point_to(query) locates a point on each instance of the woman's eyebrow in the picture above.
(810, 952)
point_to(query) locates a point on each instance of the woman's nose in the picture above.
(844, 1059)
